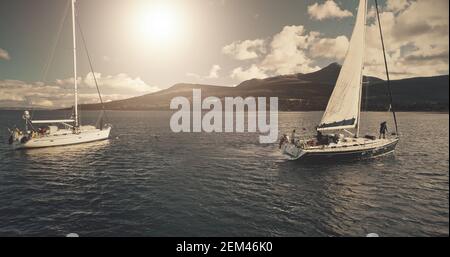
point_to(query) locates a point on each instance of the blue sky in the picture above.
(219, 42)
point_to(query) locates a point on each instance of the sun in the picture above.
(157, 23)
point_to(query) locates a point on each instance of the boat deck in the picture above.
(348, 144)
(350, 149)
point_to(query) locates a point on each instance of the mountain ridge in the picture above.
(304, 92)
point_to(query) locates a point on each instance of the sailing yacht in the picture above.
(342, 116)
(63, 131)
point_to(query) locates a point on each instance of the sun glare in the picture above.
(157, 23)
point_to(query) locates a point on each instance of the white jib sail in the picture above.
(343, 107)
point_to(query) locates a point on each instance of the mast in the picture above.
(387, 70)
(75, 64)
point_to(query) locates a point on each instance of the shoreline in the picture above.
(165, 110)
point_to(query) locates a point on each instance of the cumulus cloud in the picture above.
(57, 94)
(254, 72)
(416, 35)
(213, 74)
(332, 48)
(4, 55)
(245, 50)
(292, 51)
(288, 51)
(327, 10)
(16, 93)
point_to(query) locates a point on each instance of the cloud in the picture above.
(119, 82)
(253, 72)
(213, 74)
(332, 48)
(416, 35)
(397, 5)
(57, 94)
(245, 50)
(327, 10)
(288, 51)
(292, 51)
(16, 93)
(4, 55)
(43, 103)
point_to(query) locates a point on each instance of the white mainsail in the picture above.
(344, 105)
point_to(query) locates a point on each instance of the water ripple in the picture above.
(147, 181)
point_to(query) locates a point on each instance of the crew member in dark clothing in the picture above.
(319, 137)
(284, 139)
(293, 137)
(383, 129)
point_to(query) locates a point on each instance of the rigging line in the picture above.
(387, 70)
(92, 69)
(52, 53)
(55, 43)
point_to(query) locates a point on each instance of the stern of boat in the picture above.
(292, 151)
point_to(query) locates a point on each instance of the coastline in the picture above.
(153, 110)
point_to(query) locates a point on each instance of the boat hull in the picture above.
(342, 154)
(65, 139)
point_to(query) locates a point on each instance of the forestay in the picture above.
(344, 105)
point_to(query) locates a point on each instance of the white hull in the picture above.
(343, 112)
(61, 139)
(353, 149)
(72, 133)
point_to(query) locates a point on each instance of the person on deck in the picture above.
(284, 139)
(293, 137)
(383, 129)
(319, 137)
(323, 139)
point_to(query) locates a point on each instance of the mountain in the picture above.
(305, 92)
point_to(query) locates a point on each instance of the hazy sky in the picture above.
(142, 46)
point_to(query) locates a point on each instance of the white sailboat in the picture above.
(59, 132)
(343, 112)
